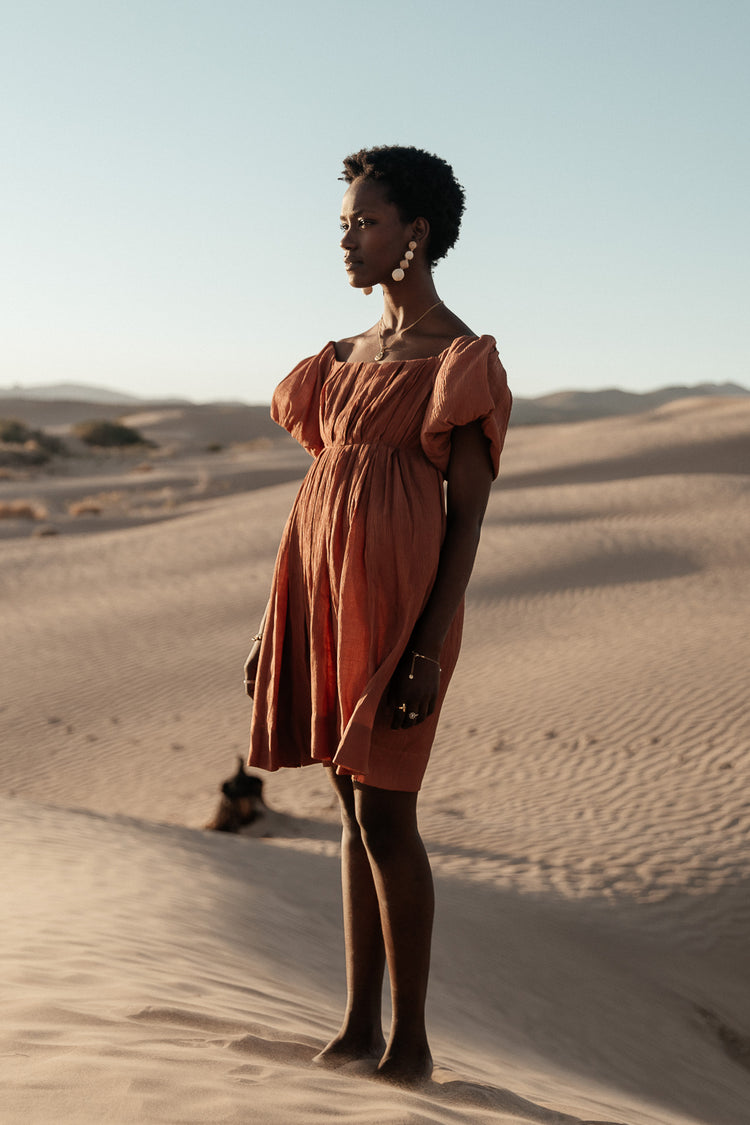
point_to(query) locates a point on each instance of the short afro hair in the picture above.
(418, 184)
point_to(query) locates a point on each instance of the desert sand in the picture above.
(587, 807)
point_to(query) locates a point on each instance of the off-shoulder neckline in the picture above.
(387, 362)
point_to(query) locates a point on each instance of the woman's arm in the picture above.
(251, 664)
(469, 481)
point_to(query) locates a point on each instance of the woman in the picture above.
(363, 626)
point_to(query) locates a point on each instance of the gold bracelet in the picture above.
(421, 656)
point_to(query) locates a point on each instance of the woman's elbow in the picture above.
(465, 525)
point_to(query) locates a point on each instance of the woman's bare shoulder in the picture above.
(449, 328)
(350, 346)
(455, 326)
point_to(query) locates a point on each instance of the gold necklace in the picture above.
(383, 348)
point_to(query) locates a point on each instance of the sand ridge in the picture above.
(120, 1005)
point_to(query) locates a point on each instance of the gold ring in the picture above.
(403, 708)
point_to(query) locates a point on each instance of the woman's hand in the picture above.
(251, 668)
(413, 690)
(251, 664)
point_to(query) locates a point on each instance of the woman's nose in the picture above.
(347, 239)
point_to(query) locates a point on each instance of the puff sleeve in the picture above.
(296, 400)
(470, 386)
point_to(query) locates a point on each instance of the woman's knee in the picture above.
(387, 820)
(345, 792)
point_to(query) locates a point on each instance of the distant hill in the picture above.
(64, 403)
(69, 392)
(581, 406)
(167, 422)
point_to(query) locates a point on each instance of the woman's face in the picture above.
(374, 236)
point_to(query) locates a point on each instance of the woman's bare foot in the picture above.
(405, 1068)
(348, 1047)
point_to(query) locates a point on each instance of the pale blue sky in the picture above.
(170, 195)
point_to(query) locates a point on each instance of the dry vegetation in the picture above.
(22, 510)
(88, 507)
(124, 502)
(20, 445)
(105, 434)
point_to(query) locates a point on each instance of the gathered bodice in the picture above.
(376, 403)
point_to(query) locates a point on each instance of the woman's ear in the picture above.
(421, 230)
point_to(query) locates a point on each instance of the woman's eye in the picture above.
(360, 222)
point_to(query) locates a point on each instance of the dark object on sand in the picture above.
(241, 802)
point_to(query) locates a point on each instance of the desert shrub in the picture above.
(15, 432)
(22, 510)
(84, 508)
(106, 434)
(13, 456)
(101, 502)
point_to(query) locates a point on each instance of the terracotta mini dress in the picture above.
(360, 551)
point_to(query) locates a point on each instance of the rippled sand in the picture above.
(586, 808)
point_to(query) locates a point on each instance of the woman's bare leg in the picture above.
(403, 882)
(361, 1033)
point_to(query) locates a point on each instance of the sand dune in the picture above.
(586, 808)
